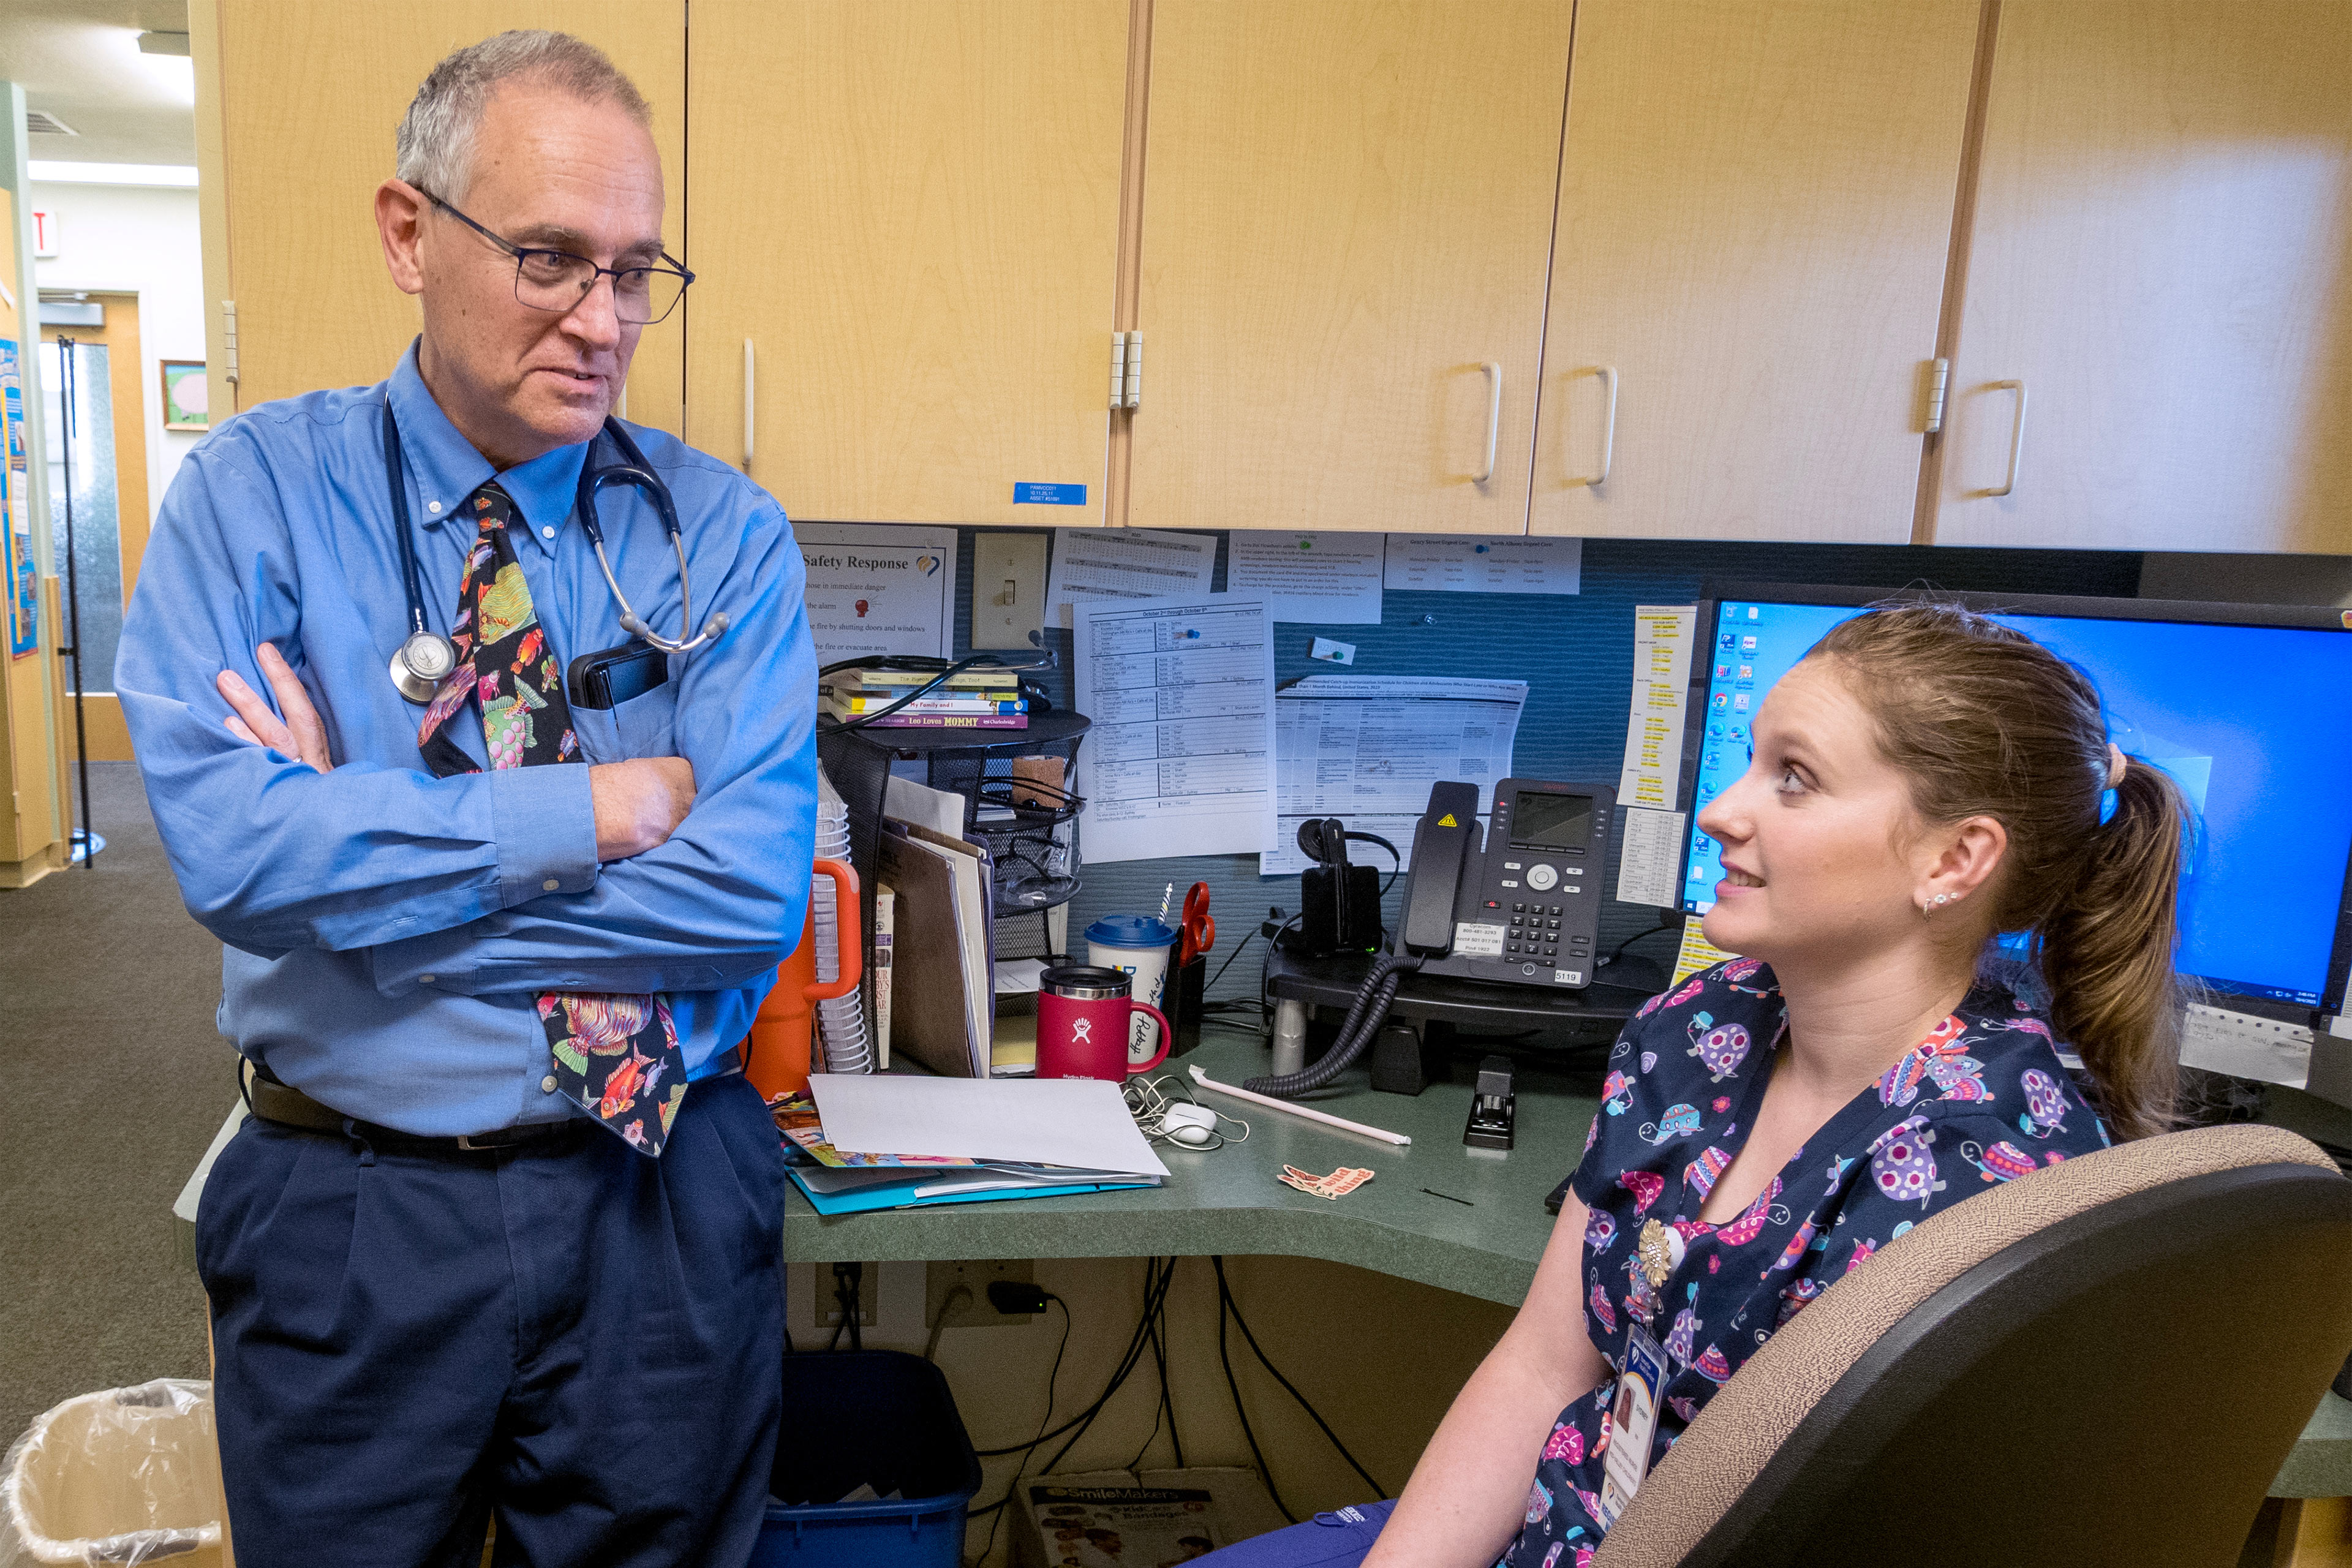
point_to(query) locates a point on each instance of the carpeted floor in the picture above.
(116, 1083)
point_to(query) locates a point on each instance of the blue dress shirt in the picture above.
(387, 931)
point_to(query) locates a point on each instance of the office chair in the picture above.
(2106, 1362)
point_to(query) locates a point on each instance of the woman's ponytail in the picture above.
(2107, 954)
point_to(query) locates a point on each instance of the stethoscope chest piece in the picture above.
(426, 659)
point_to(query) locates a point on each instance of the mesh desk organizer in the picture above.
(1035, 847)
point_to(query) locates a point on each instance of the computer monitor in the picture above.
(2247, 706)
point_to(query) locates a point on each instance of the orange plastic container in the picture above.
(776, 1054)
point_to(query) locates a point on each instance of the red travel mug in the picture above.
(1082, 1022)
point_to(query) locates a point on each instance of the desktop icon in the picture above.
(1739, 702)
(1748, 643)
(1721, 701)
(1752, 611)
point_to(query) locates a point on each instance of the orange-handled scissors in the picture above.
(1198, 932)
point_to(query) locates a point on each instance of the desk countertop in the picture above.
(1227, 1201)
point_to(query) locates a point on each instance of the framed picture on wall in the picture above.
(186, 403)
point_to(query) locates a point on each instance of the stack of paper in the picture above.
(877, 1141)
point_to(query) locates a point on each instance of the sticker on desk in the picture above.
(1473, 940)
(1031, 493)
(1337, 1184)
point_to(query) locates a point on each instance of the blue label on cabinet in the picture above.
(1033, 494)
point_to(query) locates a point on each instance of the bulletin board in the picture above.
(1576, 652)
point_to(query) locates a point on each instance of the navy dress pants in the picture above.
(1337, 1540)
(585, 1342)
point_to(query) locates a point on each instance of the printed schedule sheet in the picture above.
(1181, 757)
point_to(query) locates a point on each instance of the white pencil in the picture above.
(1205, 1081)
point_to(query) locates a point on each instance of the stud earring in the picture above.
(1943, 897)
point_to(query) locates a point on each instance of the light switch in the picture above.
(1008, 588)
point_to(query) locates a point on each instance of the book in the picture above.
(942, 983)
(937, 720)
(988, 680)
(884, 929)
(853, 702)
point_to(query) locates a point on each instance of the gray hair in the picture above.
(435, 142)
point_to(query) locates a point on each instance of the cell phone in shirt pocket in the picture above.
(623, 703)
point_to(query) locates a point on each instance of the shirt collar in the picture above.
(449, 468)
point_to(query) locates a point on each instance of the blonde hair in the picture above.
(434, 144)
(1985, 722)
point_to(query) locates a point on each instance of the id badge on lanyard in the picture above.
(1633, 1422)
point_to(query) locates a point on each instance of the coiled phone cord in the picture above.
(1364, 1019)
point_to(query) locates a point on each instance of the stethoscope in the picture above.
(426, 658)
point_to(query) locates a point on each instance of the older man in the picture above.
(501, 1234)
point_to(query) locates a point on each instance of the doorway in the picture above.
(100, 444)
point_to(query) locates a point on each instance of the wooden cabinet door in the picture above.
(1347, 212)
(2157, 272)
(310, 96)
(909, 210)
(1755, 211)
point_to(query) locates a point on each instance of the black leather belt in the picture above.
(290, 1107)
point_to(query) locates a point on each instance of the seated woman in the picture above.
(1924, 779)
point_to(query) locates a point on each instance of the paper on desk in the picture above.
(1328, 579)
(1366, 748)
(1181, 757)
(1467, 564)
(1697, 953)
(939, 810)
(1650, 858)
(1076, 1121)
(1125, 564)
(1653, 728)
(1017, 976)
(878, 588)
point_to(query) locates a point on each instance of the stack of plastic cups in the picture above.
(841, 1023)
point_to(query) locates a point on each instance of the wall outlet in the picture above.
(1008, 588)
(891, 1305)
(973, 1312)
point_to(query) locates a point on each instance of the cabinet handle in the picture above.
(1607, 373)
(2016, 435)
(1494, 416)
(750, 389)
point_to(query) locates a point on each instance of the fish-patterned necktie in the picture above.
(613, 1054)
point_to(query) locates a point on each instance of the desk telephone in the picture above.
(1521, 908)
(1525, 908)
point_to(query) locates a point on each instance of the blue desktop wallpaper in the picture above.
(2251, 722)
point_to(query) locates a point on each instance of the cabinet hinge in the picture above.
(1936, 376)
(228, 340)
(1126, 369)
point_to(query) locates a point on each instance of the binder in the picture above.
(942, 1003)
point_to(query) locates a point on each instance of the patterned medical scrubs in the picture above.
(1981, 1099)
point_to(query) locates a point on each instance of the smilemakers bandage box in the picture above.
(1115, 1519)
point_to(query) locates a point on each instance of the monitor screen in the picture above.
(1540, 820)
(2254, 721)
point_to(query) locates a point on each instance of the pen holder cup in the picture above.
(777, 1052)
(1185, 995)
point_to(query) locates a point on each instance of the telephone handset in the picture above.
(1525, 907)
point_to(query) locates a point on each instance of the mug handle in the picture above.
(1167, 1036)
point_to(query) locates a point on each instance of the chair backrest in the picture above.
(2105, 1362)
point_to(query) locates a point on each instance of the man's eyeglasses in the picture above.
(557, 280)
